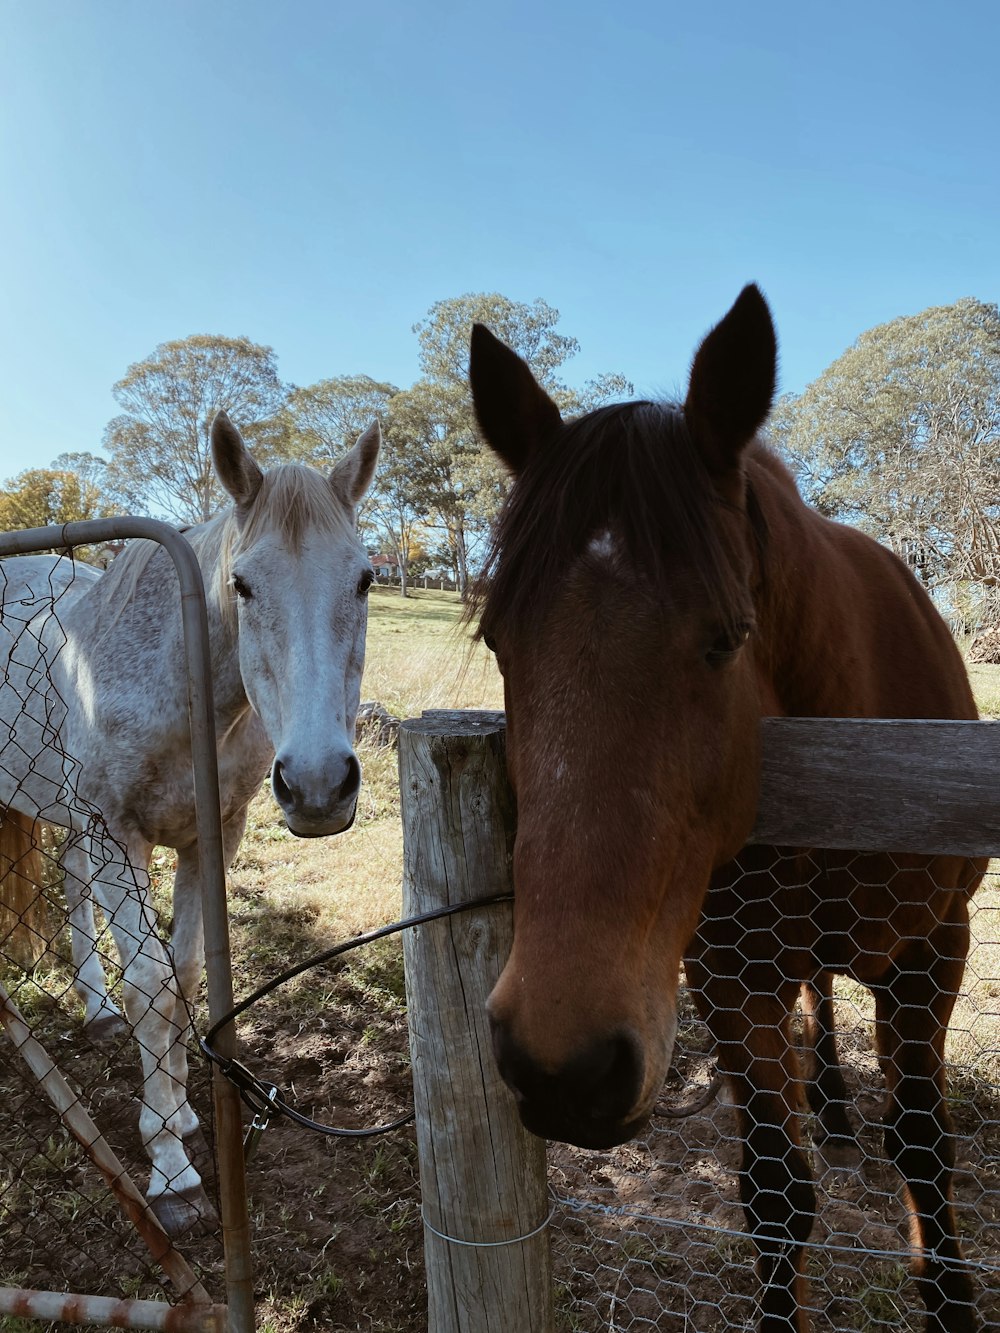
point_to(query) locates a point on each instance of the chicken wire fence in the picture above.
(74, 1076)
(652, 1235)
(60, 1224)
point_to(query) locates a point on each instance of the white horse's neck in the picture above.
(125, 655)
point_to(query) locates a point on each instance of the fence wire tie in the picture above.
(263, 1116)
(487, 1244)
(261, 1097)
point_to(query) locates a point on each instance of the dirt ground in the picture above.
(648, 1236)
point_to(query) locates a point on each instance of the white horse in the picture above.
(95, 703)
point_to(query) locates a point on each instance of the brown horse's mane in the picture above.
(632, 468)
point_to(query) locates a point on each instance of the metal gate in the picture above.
(194, 1308)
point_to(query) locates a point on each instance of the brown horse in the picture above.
(23, 934)
(656, 586)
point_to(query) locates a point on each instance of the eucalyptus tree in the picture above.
(43, 497)
(159, 445)
(462, 485)
(323, 420)
(901, 435)
(40, 497)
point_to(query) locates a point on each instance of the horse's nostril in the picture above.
(279, 786)
(614, 1074)
(600, 1083)
(352, 783)
(604, 1080)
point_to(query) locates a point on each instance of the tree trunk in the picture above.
(461, 566)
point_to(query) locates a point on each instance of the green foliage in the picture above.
(530, 329)
(431, 466)
(902, 435)
(323, 420)
(91, 470)
(461, 485)
(42, 497)
(161, 456)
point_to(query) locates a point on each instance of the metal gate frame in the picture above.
(237, 1315)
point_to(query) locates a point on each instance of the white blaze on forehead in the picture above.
(603, 545)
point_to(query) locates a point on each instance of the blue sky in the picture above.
(316, 175)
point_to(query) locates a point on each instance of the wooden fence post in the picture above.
(482, 1175)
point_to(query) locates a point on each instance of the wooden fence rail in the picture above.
(880, 785)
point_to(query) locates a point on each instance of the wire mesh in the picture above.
(60, 1224)
(652, 1235)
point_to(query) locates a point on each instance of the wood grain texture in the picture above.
(864, 784)
(880, 785)
(482, 1175)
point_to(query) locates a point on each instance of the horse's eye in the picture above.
(728, 644)
(241, 588)
(365, 582)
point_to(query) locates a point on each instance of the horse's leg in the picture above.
(121, 886)
(751, 1029)
(913, 1006)
(824, 1077)
(102, 1019)
(188, 945)
(23, 929)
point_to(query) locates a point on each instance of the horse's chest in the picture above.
(150, 787)
(243, 766)
(166, 810)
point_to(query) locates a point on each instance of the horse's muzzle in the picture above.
(317, 805)
(325, 828)
(591, 1101)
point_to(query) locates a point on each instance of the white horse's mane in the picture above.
(293, 499)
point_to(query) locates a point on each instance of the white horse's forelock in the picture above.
(292, 500)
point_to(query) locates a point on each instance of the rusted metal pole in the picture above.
(218, 963)
(110, 1312)
(76, 1119)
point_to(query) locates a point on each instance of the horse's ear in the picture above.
(234, 466)
(732, 381)
(513, 410)
(352, 475)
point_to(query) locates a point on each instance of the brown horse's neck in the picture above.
(835, 607)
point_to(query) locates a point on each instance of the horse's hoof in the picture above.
(185, 1212)
(106, 1028)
